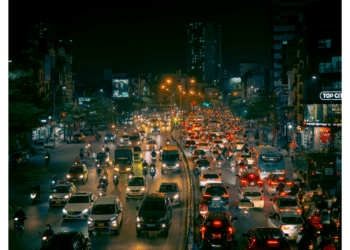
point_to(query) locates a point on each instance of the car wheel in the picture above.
(139, 233)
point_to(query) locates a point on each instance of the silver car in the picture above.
(171, 191)
(289, 222)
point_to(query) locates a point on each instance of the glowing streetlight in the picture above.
(168, 81)
(163, 87)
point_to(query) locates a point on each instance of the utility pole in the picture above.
(54, 118)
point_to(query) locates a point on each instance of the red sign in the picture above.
(325, 130)
(326, 138)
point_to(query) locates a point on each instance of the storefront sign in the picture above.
(331, 95)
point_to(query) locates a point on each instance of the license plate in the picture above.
(74, 179)
(216, 198)
(135, 194)
(252, 184)
(151, 225)
(100, 224)
(58, 202)
(170, 168)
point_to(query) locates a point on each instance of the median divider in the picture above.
(188, 239)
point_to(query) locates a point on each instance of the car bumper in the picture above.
(152, 227)
(258, 204)
(75, 180)
(135, 194)
(57, 203)
(75, 216)
(107, 226)
(107, 141)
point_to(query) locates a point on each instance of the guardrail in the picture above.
(186, 244)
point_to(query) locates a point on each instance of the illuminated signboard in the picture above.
(331, 95)
(120, 88)
(84, 101)
(235, 80)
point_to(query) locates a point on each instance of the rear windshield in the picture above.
(76, 170)
(103, 209)
(202, 162)
(168, 188)
(252, 194)
(288, 202)
(170, 157)
(216, 190)
(210, 176)
(203, 144)
(190, 142)
(271, 158)
(61, 189)
(125, 137)
(292, 220)
(199, 152)
(79, 199)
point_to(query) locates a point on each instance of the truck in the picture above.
(123, 159)
(170, 159)
(316, 168)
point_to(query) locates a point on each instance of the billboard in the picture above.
(120, 88)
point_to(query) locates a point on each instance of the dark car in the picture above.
(155, 214)
(67, 241)
(263, 238)
(201, 165)
(217, 230)
(110, 138)
(190, 145)
(80, 137)
(249, 180)
(102, 158)
(215, 195)
(198, 154)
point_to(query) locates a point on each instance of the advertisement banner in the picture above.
(120, 88)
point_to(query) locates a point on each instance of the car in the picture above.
(102, 158)
(215, 195)
(211, 176)
(78, 206)
(217, 230)
(255, 195)
(285, 204)
(289, 222)
(138, 156)
(204, 146)
(39, 141)
(151, 144)
(61, 193)
(143, 134)
(261, 238)
(249, 179)
(20, 157)
(109, 137)
(125, 140)
(218, 143)
(171, 191)
(165, 124)
(201, 165)
(272, 181)
(67, 240)
(198, 154)
(136, 187)
(77, 173)
(135, 139)
(190, 145)
(154, 214)
(79, 137)
(155, 129)
(106, 215)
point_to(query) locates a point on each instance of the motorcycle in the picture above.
(168, 142)
(47, 160)
(154, 158)
(219, 164)
(99, 170)
(245, 212)
(115, 181)
(152, 172)
(144, 170)
(44, 238)
(101, 192)
(18, 226)
(34, 196)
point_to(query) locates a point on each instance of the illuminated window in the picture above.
(336, 64)
(321, 67)
(285, 42)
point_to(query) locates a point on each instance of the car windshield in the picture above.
(79, 199)
(137, 181)
(168, 188)
(76, 170)
(101, 155)
(109, 135)
(125, 137)
(292, 220)
(199, 152)
(170, 157)
(215, 190)
(252, 194)
(210, 176)
(134, 138)
(136, 149)
(61, 189)
(153, 206)
(288, 202)
(202, 162)
(103, 209)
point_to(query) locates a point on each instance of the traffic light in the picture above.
(64, 114)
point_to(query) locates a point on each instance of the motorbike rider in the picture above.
(48, 232)
(167, 141)
(102, 185)
(294, 190)
(280, 187)
(105, 173)
(36, 189)
(153, 154)
(53, 180)
(47, 155)
(20, 215)
(319, 189)
(77, 161)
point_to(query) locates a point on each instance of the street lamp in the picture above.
(101, 90)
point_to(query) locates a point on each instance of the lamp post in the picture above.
(101, 90)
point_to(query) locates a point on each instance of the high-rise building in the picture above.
(204, 52)
(284, 18)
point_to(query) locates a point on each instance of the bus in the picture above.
(316, 168)
(268, 159)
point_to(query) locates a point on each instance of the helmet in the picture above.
(48, 225)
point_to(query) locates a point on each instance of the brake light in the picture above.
(217, 179)
(206, 195)
(272, 243)
(311, 247)
(258, 171)
(216, 236)
(204, 179)
(251, 176)
(203, 231)
(337, 172)
(281, 210)
(281, 178)
(262, 198)
(299, 210)
(230, 230)
(196, 166)
(225, 195)
(217, 223)
(289, 183)
(313, 173)
(283, 193)
(259, 182)
(187, 145)
(273, 183)
(244, 181)
(337, 224)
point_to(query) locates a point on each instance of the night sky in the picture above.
(146, 36)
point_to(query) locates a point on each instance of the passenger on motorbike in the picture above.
(48, 232)
(36, 189)
(77, 161)
(20, 215)
(154, 154)
(101, 185)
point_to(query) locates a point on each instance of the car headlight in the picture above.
(177, 165)
(32, 195)
(68, 176)
(164, 165)
(81, 176)
(128, 169)
(139, 218)
(128, 189)
(129, 142)
(66, 196)
(107, 159)
(143, 189)
(162, 219)
(147, 146)
(50, 197)
(121, 139)
(176, 196)
(85, 211)
(105, 138)
(64, 211)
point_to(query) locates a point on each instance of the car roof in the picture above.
(210, 172)
(105, 200)
(264, 233)
(155, 196)
(289, 214)
(82, 194)
(249, 189)
(168, 183)
(224, 216)
(171, 148)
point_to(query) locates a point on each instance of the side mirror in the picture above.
(119, 211)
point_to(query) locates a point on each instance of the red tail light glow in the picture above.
(258, 171)
(283, 171)
(230, 230)
(281, 178)
(272, 243)
(289, 183)
(273, 183)
(206, 195)
(299, 210)
(244, 181)
(259, 182)
(217, 223)
(225, 195)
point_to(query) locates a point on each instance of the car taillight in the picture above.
(283, 193)
(281, 178)
(272, 243)
(337, 224)
(337, 172)
(217, 223)
(262, 198)
(311, 247)
(281, 210)
(284, 228)
(273, 183)
(187, 145)
(299, 210)
(203, 229)
(258, 171)
(289, 183)
(216, 236)
(251, 176)
(259, 182)
(244, 181)
(230, 230)
(204, 179)
(313, 173)
(206, 195)
(225, 195)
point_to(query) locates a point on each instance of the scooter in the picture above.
(115, 180)
(18, 226)
(101, 192)
(152, 172)
(99, 170)
(44, 238)
(34, 196)
(47, 160)
(144, 171)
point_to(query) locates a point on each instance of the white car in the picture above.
(78, 206)
(210, 176)
(137, 187)
(289, 222)
(125, 140)
(255, 196)
(204, 146)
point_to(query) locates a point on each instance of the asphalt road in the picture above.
(40, 214)
(257, 217)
